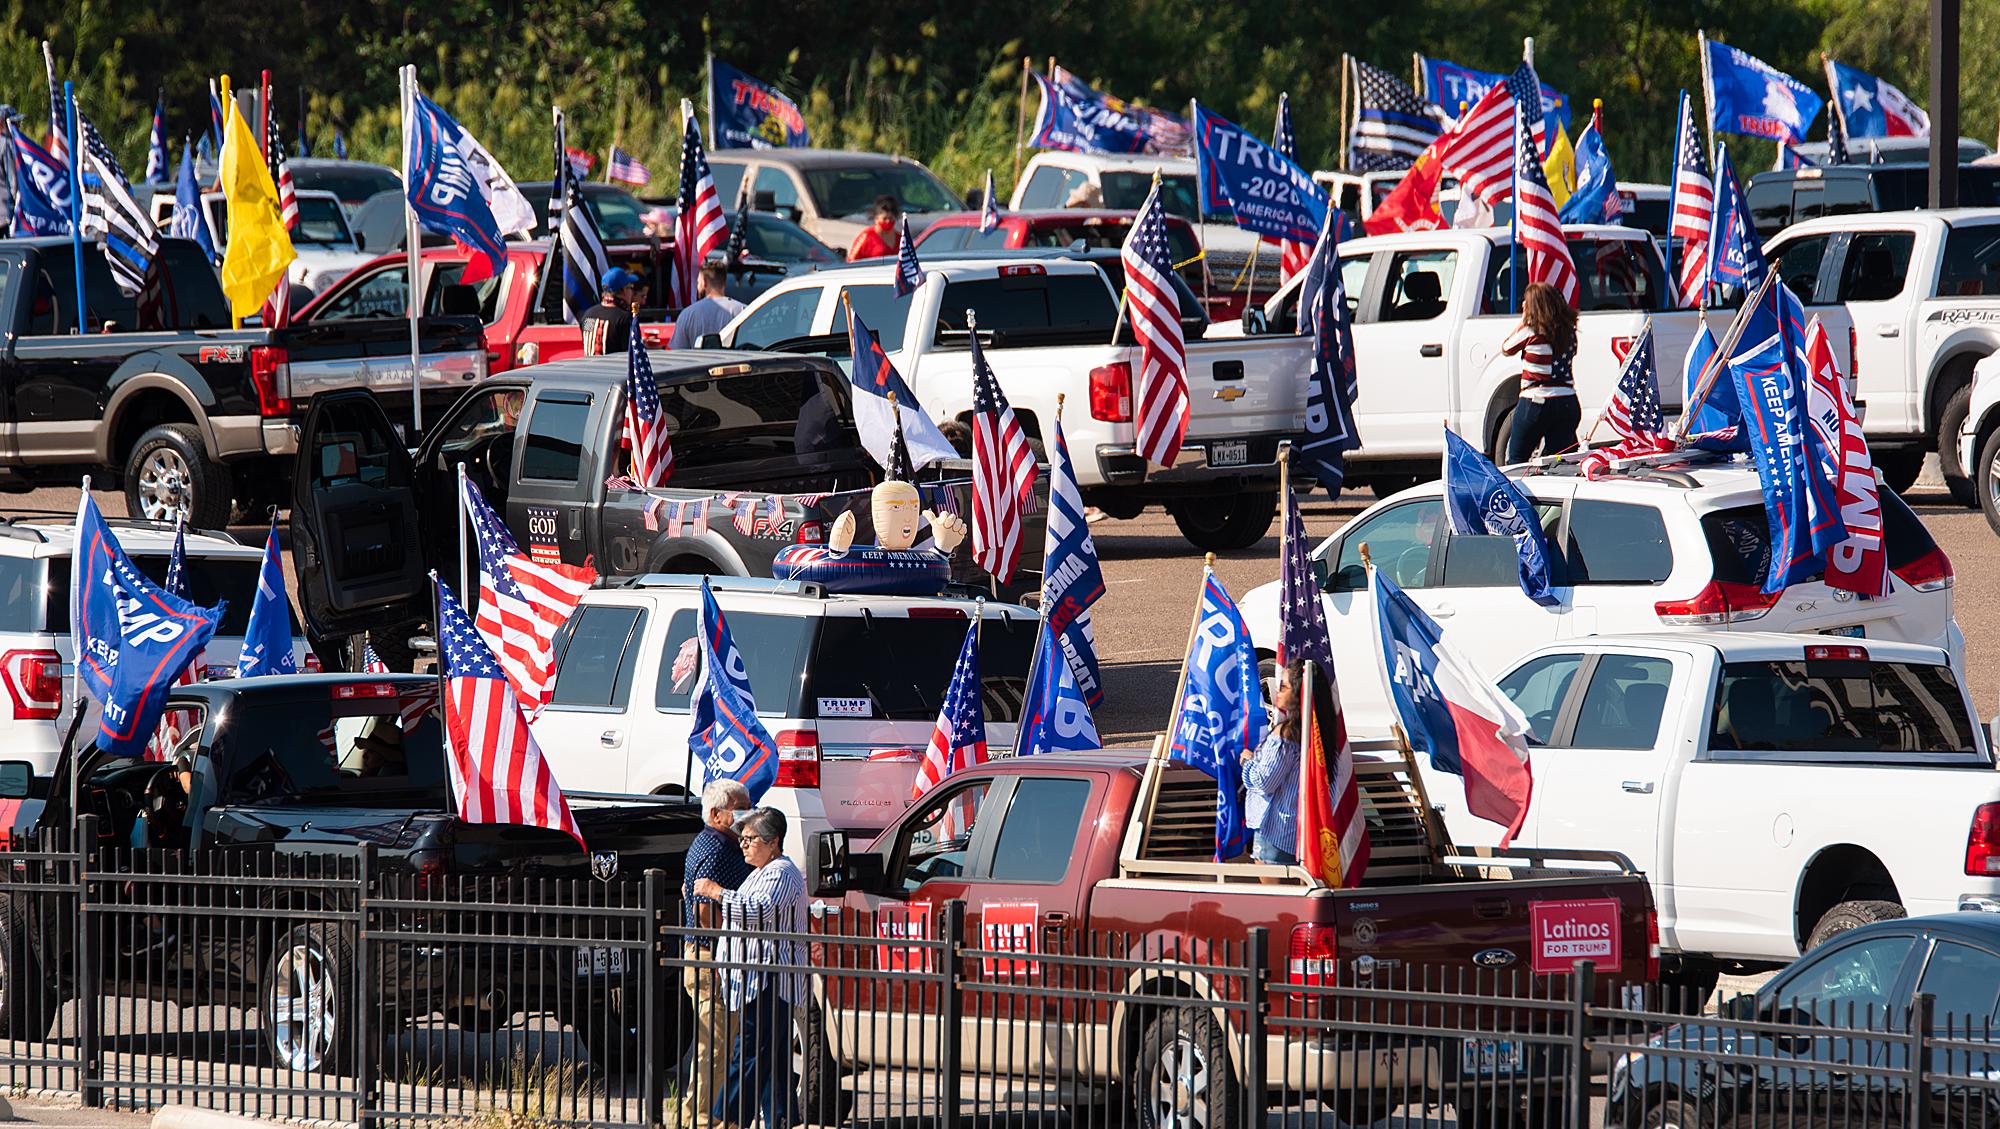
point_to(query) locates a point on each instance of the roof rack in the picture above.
(1670, 467)
(10, 524)
(760, 584)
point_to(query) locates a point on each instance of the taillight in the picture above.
(270, 371)
(810, 533)
(1720, 602)
(1982, 843)
(1854, 357)
(1111, 393)
(1652, 945)
(798, 758)
(1928, 573)
(1827, 653)
(34, 682)
(1314, 956)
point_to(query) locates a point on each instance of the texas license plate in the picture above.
(1491, 1056)
(1234, 452)
(599, 960)
(1854, 631)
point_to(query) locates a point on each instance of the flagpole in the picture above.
(1187, 656)
(412, 253)
(1021, 116)
(1346, 69)
(1707, 100)
(709, 60)
(1713, 368)
(464, 569)
(75, 207)
(1417, 82)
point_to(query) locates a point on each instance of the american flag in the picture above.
(624, 166)
(1525, 87)
(1392, 126)
(497, 770)
(58, 120)
(1293, 254)
(1155, 309)
(1003, 471)
(215, 114)
(645, 420)
(1535, 222)
(522, 603)
(989, 208)
(1634, 410)
(1691, 210)
(1836, 134)
(909, 272)
(175, 724)
(371, 663)
(1479, 150)
(699, 229)
(959, 738)
(1302, 630)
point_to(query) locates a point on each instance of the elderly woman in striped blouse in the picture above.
(1271, 777)
(762, 989)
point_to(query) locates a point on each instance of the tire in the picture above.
(1900, 466)
(29, 1000)
(1685, 990)
(1957, 479)
(1491, 1105)
(307, 1006)
(1851, 915)
(1503, 434)
(1986, 479)
(1226, 524)
(1183, 1078)
(1676, 1112)
(822, 1099)
(1386, 484)
(169, 475)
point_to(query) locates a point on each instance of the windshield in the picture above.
(617, 213)
(335, 743)
(781, 241)
(1906, 711)
(1127, 190)
(322, 223)
(353, 184)
(850, 192)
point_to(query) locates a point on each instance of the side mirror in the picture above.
(710, 341)
(17, 778)
(765, 201)
(1254, 322)
(826, 864)
(1743, 1007)
(360, 242)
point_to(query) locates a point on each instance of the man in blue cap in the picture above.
(607, 326)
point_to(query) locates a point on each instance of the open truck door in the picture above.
(355, 528)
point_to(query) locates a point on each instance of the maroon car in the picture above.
(1094, 227)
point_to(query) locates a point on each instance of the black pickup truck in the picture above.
(765, 456)
(299, 767)
(190, 414)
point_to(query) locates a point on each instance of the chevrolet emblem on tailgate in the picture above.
(1230, 393)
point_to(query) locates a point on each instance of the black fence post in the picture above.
(1583, 992)
(367, 1001)
(89, 1008)
(1257, 994)
(1917, 1111)
(951, 1011)
(653, 989)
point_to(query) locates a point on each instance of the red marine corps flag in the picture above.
(1333, 833)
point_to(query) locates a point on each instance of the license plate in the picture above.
(1235, 452)
(1856, 631)
(1491, 1056)
(599, 960)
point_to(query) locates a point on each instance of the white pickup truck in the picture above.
(1430, 310)
(1047, 324)
(1909, 304)
(1777, 789)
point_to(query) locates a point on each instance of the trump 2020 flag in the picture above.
(267, 640)
(1482, 500)
(726, 735)
(1054, 717)
(909, 272)
(41, 186)
(1869, 107)
(1331, 381)
(875, 380)
(133, 638)
(1452, 712)
(1858, 563)
(446, 190)
(751, 114)
(1267, 193)
(1750, 96)
(1735, 255)
(1221, 712)
(1072, 580)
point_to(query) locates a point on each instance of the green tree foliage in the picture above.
(934, 80)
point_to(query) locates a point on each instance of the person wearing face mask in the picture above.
(879, 238)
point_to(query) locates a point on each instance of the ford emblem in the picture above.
(604, 865)
(1493, 958)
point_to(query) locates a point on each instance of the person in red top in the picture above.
(879, 238)
(1547, 414)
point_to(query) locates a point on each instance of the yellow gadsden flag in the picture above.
(259, 250)
(1560, 167)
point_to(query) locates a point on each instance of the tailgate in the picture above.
(1247, 385)
(374, 353)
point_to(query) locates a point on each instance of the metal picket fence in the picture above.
(326, 986)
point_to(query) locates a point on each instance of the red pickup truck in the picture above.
(519, 331)
(1108, 853)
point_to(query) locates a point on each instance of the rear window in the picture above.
(774, 648)
(196, 296)
(723, 422)
(210, 580)
(1612, 274)
(874, 659)
(1869, 710)
(312, 748)
(1739, 539)
(1971, 264)
(23, 596)
(1069, 302)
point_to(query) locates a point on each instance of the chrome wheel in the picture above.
(302, 1007)
(165, 485)
(1181, 1085)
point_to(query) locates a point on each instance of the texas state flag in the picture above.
(1454, 713)
(1870, 107)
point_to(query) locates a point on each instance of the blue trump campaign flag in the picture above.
(750, 114)
(1716, 424)
(1083, 124)
(873, 379)
(1448, 84)
(1054, 717)
(726, 735)
(267, 639)
(1221, 711)
(909, 272)
(989, 208)
(1750, 96)
(156, 147)
(1482, 500)
(1331, 383)
(445, 192)
(190, 219)
(1595, 199)
(1237, 173)
(1736, 255)
(1072, 580)
(1771, 375)
(41, 202)
(133, 638)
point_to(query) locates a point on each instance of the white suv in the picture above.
(37, 651)
(849, 686)
(1677, 543)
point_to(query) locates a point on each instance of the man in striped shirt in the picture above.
(715, 856)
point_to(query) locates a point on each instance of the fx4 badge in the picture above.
(604, 865)
(226, 354)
